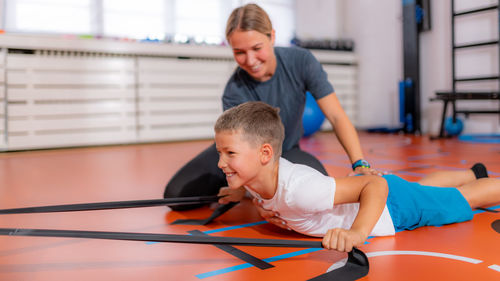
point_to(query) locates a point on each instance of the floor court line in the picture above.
(247, 265)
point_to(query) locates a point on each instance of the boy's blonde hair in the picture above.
(258, 122)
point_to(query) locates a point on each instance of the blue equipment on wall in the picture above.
(416, 18)
(405, 118)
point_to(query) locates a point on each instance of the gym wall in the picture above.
(57, 92)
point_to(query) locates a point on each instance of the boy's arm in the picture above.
(236, 195)
(371, 193)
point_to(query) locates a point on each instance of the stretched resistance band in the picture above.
(356, 267)
(217, 213)
(112, 205)
(153, 237)
(238, 253)
(496, 225)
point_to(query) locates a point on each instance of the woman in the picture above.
(280, 77)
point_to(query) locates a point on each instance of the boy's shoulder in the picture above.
(289, 169)
(304, 188)
(293, 173)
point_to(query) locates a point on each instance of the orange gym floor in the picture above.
(465, 251)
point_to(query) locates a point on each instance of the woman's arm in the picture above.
(345, 131)
(371, 193)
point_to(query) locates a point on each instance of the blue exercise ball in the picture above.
(453, 128)
(313, 117)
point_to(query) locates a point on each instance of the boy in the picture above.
(345, 211)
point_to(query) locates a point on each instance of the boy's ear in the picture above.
(266, 153)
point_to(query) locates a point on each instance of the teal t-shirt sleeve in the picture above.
(297, 71)
(229, 100)
(315, 77)
(237, 90)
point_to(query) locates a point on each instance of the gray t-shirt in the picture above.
(297, 71)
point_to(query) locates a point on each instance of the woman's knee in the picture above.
(200, 176)
(298, 156)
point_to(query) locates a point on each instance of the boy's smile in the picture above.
(238, 159)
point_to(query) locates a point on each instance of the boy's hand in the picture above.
(231, 195)
(342, 239)
(270, 216)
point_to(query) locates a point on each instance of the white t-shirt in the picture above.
(304, 199)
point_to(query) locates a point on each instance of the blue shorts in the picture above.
(413, 205)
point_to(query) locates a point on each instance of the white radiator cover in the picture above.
(179, 99)
(3, 105)
(66, 93)
(58, 101)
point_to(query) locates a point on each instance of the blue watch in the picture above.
(360, 163)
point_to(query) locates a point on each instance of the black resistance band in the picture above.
(356, 267)
(153, 237)
(112, 205)
(496, 225)
(217, 212)
(238, 253)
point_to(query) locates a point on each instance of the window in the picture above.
(134, 19)
(201, 23)
(199, 20)
(48, 16)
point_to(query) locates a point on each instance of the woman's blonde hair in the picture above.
(247, 18)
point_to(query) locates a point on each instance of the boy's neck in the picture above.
(267, 183)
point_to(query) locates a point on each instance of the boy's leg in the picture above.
(298, 156)
(482, 192)
(199, 177)
(455, 178)
(448, 178)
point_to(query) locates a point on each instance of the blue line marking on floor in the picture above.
(481, 211)
(224, 229)
(247, 265)
(493, 173)
(410, 173)
(427, 156)
(480, 138)
(234, 227)
(447, 168)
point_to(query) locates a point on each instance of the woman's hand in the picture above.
(270, 216)
(365, 171)
(342, 240)
(231, 195)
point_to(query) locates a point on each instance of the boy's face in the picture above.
(238, 158)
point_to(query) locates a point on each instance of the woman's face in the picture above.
(254, 53)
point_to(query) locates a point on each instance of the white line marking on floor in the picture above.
(421, 253)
